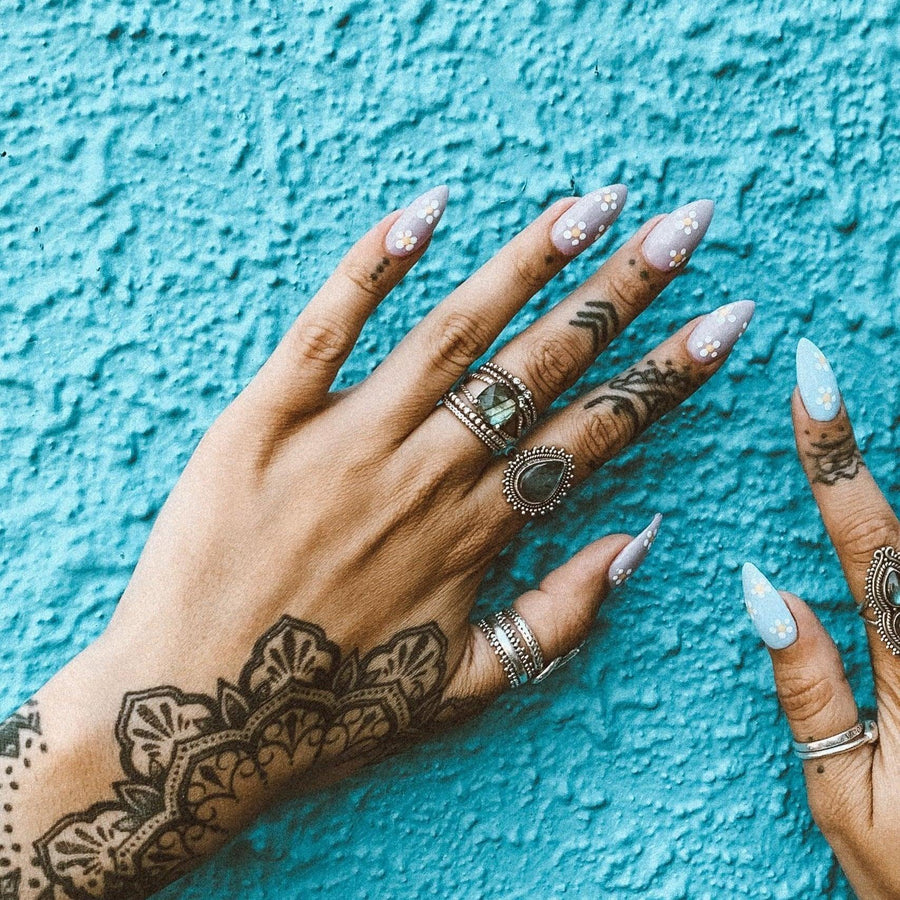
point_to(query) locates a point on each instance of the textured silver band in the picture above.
(517, 648)
(829, 742)
(464, 405)
(867, 735)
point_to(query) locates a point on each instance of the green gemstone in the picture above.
(893, 588)
(497, 404)
(538, 482)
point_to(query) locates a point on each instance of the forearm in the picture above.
(128, 786)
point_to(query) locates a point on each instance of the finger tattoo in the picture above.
(645, 392)
(601, 319)
(834, 458)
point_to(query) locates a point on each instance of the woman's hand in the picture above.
(854, 795)
(302, 604)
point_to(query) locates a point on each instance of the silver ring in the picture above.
(518, 650)
(536, 480)
(862, 734)
(882, 597)
(500, 413)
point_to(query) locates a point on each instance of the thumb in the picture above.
(561, 611)
(814, 693)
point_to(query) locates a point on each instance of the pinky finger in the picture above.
(560, 611)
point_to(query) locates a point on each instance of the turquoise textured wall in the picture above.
(176, 179)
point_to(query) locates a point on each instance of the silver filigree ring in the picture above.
(881, 606)
(536, 480)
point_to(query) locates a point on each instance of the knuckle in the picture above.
(600, 437)
(554, 365)
(366, 283)
(622, 291)
(864, 533)
(320, 342)
(804, 696)
(528, 273)
(460, 340)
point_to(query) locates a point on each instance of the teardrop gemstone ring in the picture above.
(536, 480)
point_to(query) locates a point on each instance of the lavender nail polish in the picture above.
(628, 561)
(417, 222)
(818, 386)
(768, 611)
(589, 217)
(669, 246)
(719, 331)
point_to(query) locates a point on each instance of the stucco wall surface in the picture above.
(176, 178)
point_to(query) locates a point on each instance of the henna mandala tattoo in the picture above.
(19, 740)
(197, 767)
(644, 393)
(601, 319)
(833, 459)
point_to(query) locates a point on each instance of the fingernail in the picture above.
(818, 386)
(769, 613)
(671, 243)
(629, 560)
(417, 222)
(583, 222)
(719, 331)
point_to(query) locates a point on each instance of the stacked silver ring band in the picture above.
(500, 414)
(518, 650)
(857, 736)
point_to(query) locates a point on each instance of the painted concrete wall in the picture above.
(177, 177)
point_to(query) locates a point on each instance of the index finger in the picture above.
(856, 514)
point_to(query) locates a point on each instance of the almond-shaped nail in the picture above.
(417, 222)
(586, 219)
(717, 332)
(768, 611)
(671, 243)
(628, 561)
(818, 386)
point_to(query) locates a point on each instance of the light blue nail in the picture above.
(818, 386)
(770, 615)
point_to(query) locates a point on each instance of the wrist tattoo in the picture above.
(197, 768)
(601, 319)
(645, 392)
(833, 458)
(20, 741)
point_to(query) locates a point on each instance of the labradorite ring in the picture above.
(881, 606)
(536, 480)
(500, 413)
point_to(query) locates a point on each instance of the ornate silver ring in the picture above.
(518, 650)
(500, 413)
(881, 606)
(537, 479)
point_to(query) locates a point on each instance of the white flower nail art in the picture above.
(708, 347)
(677, 257)
(689, 223)
(405, 240)
(575, 232)
(609, 200)
(726, 314)
(826, 398)
(781, 629)
(430, 211)
(821, 362)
